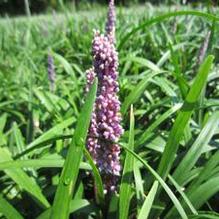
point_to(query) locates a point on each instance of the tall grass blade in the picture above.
(45, 137)
(199, 195)
(71, 166)
(145, 210)
(98, 181)
(138, 185)
(195, 151)
(127, 176)
(183, 118)
(185, 198)
(136, 92)
(206, 172)
(183, 85)
(145, 62)
(151, 129)
(162, 182)
(205, 215)
(38, 163)
(77, 205)
(8, 210)
(23, 180)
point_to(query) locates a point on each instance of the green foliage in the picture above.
(8, 210)
(126, 182)
(170, 159)
(183, 118)
(71, 166)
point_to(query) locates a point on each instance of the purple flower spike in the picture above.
(203, 49)
(111, 22)
(105, 129)
(51, 72)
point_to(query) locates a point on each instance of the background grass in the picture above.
(158, 67)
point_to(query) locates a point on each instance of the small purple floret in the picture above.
(51, 72)
(90, 76)
(111, 22)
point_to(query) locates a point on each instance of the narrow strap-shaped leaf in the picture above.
(206, 172)
(97, 178)
(23, 180)
(195, 151)
(164, 84)
(127, 175)
(47, 101)
(199, 195)
(66, 65)
(60, 208)
(205, 215)
(138, 184)
(52, 133)
(183, 118)
(3, 120)
(18, 137)
(145, 210)
(162, 182)
(147, 133)
(79, 205)
(183, 85)
(167, 54)
(137, 91)
(184, 196)
(38, 163)
(145, 62)
(8, 210)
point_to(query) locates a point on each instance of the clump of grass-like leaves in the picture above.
(170, 112)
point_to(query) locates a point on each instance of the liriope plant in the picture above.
(165, 165)
(105, 128)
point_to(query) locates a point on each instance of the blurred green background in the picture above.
(15, 7)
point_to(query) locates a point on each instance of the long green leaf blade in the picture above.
(206, 172)
(23, 180)
(60, 208)
(125, 189)
(98, 180)
(79, 205)
(8, 210)
(145, 210)
(195, 151)
(183, 118)
(162, 182)
(38, 163)
(52, 133)
(136, 92)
